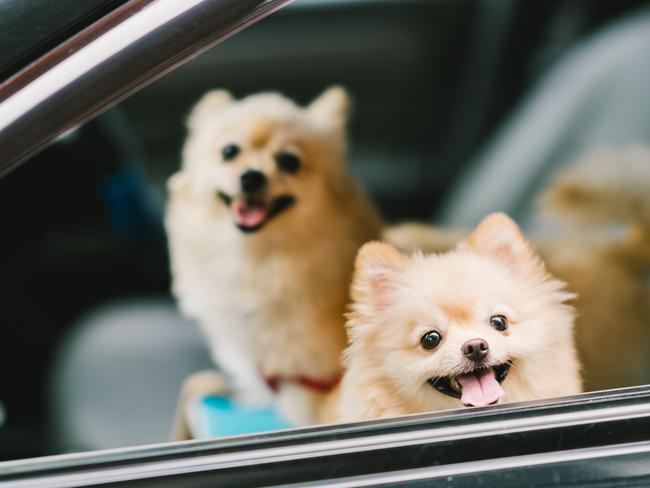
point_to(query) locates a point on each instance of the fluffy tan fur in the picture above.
(607, 267)
(273, 300)
(397, 299)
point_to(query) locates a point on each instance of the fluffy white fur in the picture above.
(272, 300)
(397, 299)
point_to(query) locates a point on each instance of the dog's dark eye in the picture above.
(230, 152)
(431, 339)
(499, 322)
(288, 162)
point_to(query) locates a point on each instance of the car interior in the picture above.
(445, 98)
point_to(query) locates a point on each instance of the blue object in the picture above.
(215, 416)
(129, 207)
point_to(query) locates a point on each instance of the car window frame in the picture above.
(422, 446)
(119, 54)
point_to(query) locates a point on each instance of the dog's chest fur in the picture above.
(282, 308)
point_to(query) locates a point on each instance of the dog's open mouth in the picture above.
(476, 388)
(250, 214)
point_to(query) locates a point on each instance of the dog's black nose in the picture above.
(252, 181)
(475, 349)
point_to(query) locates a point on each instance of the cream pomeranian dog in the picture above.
(603, 254)
(481, 324)
(264, 222)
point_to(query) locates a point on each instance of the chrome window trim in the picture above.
(154, 39)
(442, 440)
(79, 63)
(618, 455)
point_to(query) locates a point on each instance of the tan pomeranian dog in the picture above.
(264, 223)
(481, 324)
(601, 206)
(603, 254)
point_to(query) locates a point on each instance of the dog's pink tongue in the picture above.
(249, 214)
(481, 390)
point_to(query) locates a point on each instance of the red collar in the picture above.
(314, 384)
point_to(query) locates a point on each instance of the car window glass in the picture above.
(100, 344)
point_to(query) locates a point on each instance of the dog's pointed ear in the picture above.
(209, 104)
(499, 237)
(332, 106)
(376, 268)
